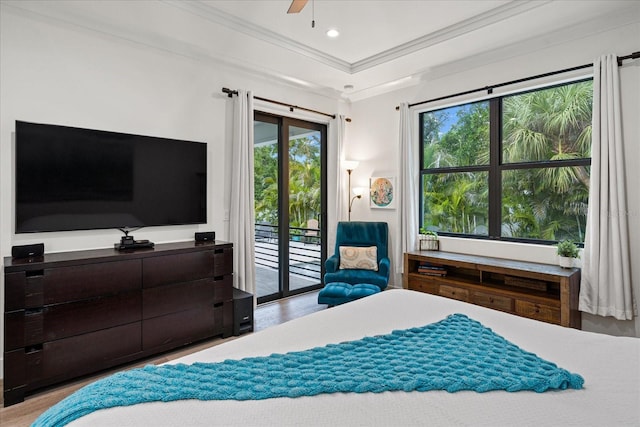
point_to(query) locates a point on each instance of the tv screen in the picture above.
(79, 179)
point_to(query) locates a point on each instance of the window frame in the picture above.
(494, 168)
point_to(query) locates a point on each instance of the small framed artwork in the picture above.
(382, 193)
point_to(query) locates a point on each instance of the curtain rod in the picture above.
(489, 89)
(230, 93)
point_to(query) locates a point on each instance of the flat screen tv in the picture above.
(70, 178)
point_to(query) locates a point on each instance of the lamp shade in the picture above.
(350, 164)
(358, 191)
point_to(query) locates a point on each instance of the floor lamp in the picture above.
(358, 192)
(350, 165)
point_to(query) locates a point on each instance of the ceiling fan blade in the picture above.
(297, 6)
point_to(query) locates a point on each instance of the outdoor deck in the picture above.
(304, 258)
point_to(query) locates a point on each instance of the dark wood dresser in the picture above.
(74, 313)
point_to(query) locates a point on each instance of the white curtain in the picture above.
(241, 219)
(408, 167)
(335, 156)
(605, 289)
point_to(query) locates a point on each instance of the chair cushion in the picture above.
(357, 276)
(339, 292)
(361, 258)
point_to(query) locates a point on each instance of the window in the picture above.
(514, 167)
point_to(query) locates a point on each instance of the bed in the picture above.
(609, 365)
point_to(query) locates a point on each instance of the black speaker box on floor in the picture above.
(242, 312)
(206, 236)
(27, 251)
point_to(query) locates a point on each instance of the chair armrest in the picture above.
(384, 267)
(332, 264)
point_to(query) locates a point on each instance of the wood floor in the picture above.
(266, 315)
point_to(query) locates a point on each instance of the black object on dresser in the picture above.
(75, 313)
(242, 312)
(28, 251)
(205, 236)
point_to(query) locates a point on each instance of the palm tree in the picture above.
(547, 125)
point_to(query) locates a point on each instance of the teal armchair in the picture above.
(345, 284)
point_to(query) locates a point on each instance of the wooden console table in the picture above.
(75, 313)
(538, 291)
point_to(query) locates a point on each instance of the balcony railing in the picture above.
(304, 257)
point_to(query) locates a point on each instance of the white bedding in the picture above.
(609, 365)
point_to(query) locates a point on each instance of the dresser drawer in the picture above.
(15, 291)
(89, 281)
(223, 289)
(178, 268)
(80, 317)
(454, 293)
(492, 301)
(543, 312)
(223, 262)
(163, 300)
(168, 331)
(70, 357)
(423, 285)
(34, 289)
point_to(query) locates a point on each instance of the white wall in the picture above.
(54, 73)
(374, 141)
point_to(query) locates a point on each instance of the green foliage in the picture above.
(426, 232)
(547, 125)
(304, 181)
(547, 203)
(465, 143)
(266, 183)
(567, 248)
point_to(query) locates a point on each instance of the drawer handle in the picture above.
(33, 349)
(34, 273)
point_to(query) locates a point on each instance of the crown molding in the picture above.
(607, 22)
(172, 46)
(235, 23)
(167, 45)
(489, 17)
(627, 17)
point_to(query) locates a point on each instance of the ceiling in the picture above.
(383, 44)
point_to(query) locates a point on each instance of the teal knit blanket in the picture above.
(455, 354)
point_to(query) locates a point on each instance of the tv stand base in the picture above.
(137, 244)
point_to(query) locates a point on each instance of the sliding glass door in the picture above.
(290, 205)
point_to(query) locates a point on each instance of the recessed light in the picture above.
(333, 33)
